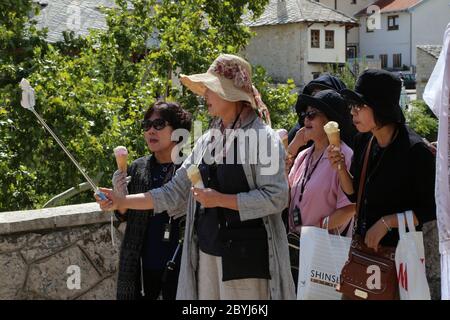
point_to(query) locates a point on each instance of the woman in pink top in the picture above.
(315, 190)
(315, 193)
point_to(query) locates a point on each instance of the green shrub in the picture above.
(422, 120)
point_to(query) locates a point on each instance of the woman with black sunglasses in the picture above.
(315, 191)
(151, 240)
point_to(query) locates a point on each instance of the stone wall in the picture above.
(38, 248)
(425, 66)
(41, 251)
(432, 258)
(279, 50)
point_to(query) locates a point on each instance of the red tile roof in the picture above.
(391, 5)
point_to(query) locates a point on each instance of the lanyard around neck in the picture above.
(306, 177)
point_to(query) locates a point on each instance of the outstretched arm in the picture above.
(140, 201)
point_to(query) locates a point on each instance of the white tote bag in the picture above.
(410, 261)
(322, 257)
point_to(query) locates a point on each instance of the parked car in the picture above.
(409, 79)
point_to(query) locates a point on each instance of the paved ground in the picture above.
(411, 94)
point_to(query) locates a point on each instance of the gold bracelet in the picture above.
(387, 227)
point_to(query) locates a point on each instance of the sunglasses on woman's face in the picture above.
(158, 124)
(356, 107)
(310, 115)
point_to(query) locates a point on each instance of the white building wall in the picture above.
(323, 55)
(429, 21)
(328, 3)
(310, 69)
(278, 50)
(346, 6)
(350, 9)
(382, 41)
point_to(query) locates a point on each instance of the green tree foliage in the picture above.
(342, 72)
(422, 120)
(279, 98)
(93, 91)
(20, 42)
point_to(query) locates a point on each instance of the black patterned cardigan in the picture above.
(128, 281)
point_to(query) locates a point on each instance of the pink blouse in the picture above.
(322, 194)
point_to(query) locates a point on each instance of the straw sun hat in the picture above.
(230, 77)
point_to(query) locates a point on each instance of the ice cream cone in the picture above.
(194, 175)
(121, 155)
(334, 139)
(333, 133)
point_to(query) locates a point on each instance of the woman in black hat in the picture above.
(315, 192)
(325, 81)
(400, 169)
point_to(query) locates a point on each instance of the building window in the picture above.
(370, 56)
(397, 61)
(315, 38)
(384, 61)
(351, 52)
(392, 23)
(329, 39)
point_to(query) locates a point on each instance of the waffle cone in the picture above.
(122, 162)
(334, 138)
(195, 177)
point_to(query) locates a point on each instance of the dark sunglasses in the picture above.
(356, 107)
(310, 114)
(158, 124)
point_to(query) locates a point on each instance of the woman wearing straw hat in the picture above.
(235, 241)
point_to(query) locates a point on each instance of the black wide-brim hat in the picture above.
(327, 101)
(380, 90)
(324, 82)
(334, 107)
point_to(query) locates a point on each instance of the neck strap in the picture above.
(362, 180)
